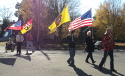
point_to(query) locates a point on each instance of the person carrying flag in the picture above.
(90, 47)
(72, 43)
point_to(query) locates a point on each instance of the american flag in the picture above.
(84, 20)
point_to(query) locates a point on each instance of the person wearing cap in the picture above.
(72, 43)
(29, 39)
(10, 43)
(19, 40)
(107, 41)
(90, 47)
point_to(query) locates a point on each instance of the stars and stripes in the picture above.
(84, 20)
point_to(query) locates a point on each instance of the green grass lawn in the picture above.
(120, 44)
(78, 46)
(65, 46)
(2, 43)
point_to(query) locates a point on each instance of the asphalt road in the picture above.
(53, 63)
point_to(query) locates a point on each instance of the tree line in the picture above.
(110, 13)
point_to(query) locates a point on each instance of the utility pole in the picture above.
(37, 12)
(38, 15)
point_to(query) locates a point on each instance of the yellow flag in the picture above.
(62, 18)
(27, 27)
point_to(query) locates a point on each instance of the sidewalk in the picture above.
(53, 63)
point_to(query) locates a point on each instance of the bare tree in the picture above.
(5, 13)
(58, 5)
(115, 7)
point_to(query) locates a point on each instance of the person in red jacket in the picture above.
(108, 43)
(29, 39)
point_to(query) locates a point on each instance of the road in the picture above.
(53, 63)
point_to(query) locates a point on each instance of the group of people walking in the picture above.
(107, 42)
(20, 39)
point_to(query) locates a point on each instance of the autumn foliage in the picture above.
(110, 14)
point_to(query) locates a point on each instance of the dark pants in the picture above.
(106, 53)
(89, 56)
(19, 44)
(72, 54)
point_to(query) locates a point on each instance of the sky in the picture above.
(11, 5)
(93, 4)
(85, 5)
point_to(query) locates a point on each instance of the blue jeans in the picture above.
(30, 43)
(72, 54)
(106, 53)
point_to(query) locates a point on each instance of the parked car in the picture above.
(98, 45)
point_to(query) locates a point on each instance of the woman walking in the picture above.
(89, 47)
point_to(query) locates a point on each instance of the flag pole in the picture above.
(92, 22)
(86, 29)
(38, 25)
(89, 26)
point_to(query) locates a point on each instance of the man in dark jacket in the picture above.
(72, 43)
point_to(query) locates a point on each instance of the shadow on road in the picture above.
(45, 55)
(79, 72)
(25, 57)
(8, 61)
(107, 71)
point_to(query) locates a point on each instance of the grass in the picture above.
(78, 46)
(2, 43)
(61, 47)
(65, 46)
(120, 44)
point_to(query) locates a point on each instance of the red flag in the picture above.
(27, 27)
(15, 26)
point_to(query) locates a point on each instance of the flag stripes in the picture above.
(78, 23)
(15, 26)
(84, 20)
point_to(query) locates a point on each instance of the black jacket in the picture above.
(71, 41)
(90, 44)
